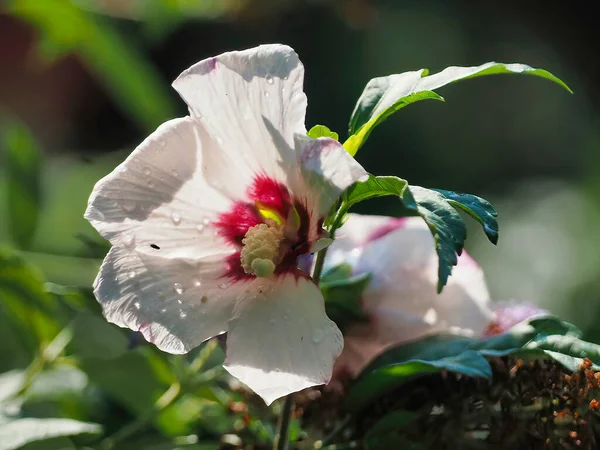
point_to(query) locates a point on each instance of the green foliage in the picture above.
(129, 78)
(342, 293)
(23, 163)
(19, 432)
(478, 208)
(446, 225)
(385, 95)
(322, 131)
(541, 337)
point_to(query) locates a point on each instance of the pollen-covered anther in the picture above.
(260, 253)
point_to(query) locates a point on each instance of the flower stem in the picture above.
(319, 265)
(282, 439)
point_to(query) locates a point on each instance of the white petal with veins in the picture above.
(175, 304)
(158, 196)
(280, 340)
(251, 102)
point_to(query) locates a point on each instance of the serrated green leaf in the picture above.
(20, 432)
(384, 95)
(478, 208)
(128, 76)
(381, 381)
(23, 162)
(539, 337)
(343, 299)
(446, 225)
(376, 187)
(322, 131)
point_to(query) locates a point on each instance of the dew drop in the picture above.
(151, 183)
(318, 336)
(197, 283)
(182, 315)
(176, 217)
(219, 139)
(205, 221)
(128, 240)
(200, 227)
(137, 305)
(128, 205)
(269, 79)
(179, 301)
(177, 287)
(267, 94)
(131, 274)
(164, 310)
(174, 173)
(147, 171)
(223, 286)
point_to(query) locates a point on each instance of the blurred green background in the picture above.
(82, 82)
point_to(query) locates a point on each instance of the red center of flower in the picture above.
(265, 194)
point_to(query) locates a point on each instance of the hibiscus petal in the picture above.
(252, 103)
(280, 340)
(326, 170)
(175, 304)
(157, 201)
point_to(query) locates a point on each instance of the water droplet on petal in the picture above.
(182, 315)
(269, 79)
(267, 94)
(197, 283)
(147, 171)
(200, 227)
(128, 240)
(128, 205)
(176, 217)
(177, 287)
(137, 305)
(205, 221)
(132, 274)
(223, 286)
(179, 301)
(318, 336)
(174, 173)
(150, 183)
(219, 139)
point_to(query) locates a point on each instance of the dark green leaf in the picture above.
(387, 432)
(385, 95)
(478, 208)
(379, 382)
(23, 162)
(343, 299)
(376, 187)
(322, 131)
(446, 225)
(20, 432)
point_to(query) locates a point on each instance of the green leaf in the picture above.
(386, 95)
(342, 298)
(387, 432)
(376, 187)
(20, 432)
(379, 382)
(446, 225)
(94, 337)
(360, 135)
(322, 131)
(128, 76)
(478, 208)
(540, 337)
(23, 162)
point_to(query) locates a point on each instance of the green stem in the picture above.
(282, 439)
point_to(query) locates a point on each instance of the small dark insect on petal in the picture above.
(154, 246)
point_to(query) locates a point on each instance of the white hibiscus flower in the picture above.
(208, 216)
(401, 300)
